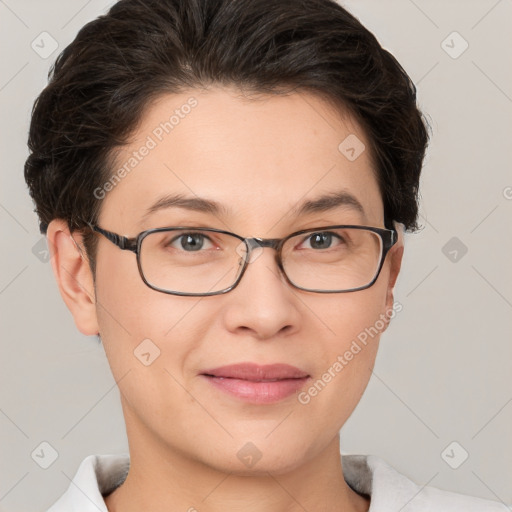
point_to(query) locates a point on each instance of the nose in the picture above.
(263, 303)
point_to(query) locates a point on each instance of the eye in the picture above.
(189, 242)
(323, 240)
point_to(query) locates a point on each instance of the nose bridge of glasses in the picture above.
(263, 242)
(256, 245)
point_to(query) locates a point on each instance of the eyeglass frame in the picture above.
(388, 237)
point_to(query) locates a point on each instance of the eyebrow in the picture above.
(323, 203)
(328, 202)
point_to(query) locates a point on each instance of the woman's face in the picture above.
(259, 161)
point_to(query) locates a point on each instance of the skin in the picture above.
(260, 159)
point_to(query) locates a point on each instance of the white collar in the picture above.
(98, 475)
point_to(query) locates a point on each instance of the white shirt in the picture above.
(98, 475)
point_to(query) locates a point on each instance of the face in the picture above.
(259, 160)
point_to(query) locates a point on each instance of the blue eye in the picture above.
(189, 242)
(322, 240)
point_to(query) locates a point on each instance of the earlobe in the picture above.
(73, 275)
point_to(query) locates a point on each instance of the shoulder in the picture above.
(390, 491)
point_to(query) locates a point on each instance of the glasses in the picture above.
(196, 261)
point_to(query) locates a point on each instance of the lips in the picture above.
(257, 373)
(255, 383)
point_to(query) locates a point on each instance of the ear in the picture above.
(73, 274)
(394, 257)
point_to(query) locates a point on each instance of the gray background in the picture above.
(443, 371)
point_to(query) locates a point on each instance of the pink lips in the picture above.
(257, 383)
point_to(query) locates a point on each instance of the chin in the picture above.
(246, 458)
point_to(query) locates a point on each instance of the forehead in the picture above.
(258, 159)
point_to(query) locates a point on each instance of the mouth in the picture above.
(259, 384)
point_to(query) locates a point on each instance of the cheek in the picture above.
(122, 299)
(136, 320)
(344, 318)
(346, 354)
(148, 336)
